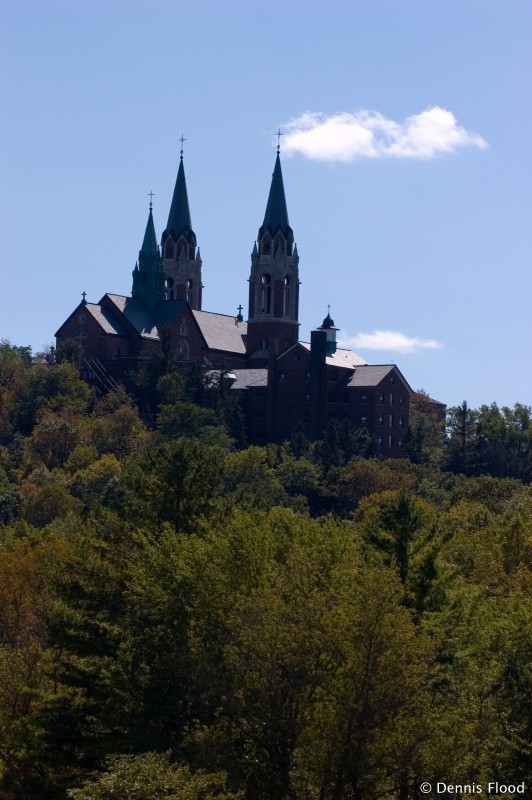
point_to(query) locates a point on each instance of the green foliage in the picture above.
(150, 776)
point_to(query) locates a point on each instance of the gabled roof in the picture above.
(249, 378)
(372, 375)
(342, 358)
(102, 315)
(137, 314)
(221, 332)
(106, 319)
(179, 221)
(276, 216)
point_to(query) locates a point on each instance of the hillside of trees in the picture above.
(186, 617)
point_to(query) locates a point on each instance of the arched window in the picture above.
(169, 283)
(183, 329)
(287, 282)
(278, 249)
(266, 247)
(190, 291)
(183, 350)
(169, 250)
(266, 294)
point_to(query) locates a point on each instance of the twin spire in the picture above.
(179, 222)
(178, 275)
(276, 216)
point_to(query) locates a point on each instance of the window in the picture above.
(280, 375)
(363, 419)
(401, 422)
(118, 352)
(183, 329)
(297, 356)
(400, 443)
(307, 396)
(392, 380)
(381, 419)
(82, 318)
(331, 397)
(263, 345)
(381, 441)
(266, 247)
(169, 283)
(363, 397)
(190, 291)
(266, 294)
(390, 440)
(287, 295)
(182, 349)
(401, 400)
(391, 399)
(381, 397)
(333, 375)
(390, 421)
(307, 375)
(169, 250)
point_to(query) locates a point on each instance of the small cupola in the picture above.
(330, 330)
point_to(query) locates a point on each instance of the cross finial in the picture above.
(239, 318)
(182, 140)
(84, 295)
(150, 195)
(279, 134)
(329, 310)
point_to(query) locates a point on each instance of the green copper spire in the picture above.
(276, 216)
(148, 275)
(149, 244)
(179, 221)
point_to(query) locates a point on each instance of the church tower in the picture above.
(274, 281)
(148, 275)
(181, 256)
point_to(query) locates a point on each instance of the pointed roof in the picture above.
(276, 216)
(149, 244)
(179, 221)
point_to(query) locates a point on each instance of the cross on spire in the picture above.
(182, 140)
(84, 295)
(150, 195)
(279, 134)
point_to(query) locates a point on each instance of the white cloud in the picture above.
(391, 341)
(367, 134)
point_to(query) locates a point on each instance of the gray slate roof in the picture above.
(137, 313)
(222, 332)
(248, 378)
(342, 358)
(372, 375)
(104, 317)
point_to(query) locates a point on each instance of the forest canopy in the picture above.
(183, 616)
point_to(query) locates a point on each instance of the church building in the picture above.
(280, 380)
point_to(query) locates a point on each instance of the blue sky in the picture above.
(406, 160)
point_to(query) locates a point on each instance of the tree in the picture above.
(151, 776)
(462, 440)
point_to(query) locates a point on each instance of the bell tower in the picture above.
(274, 281)
(181, 256)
